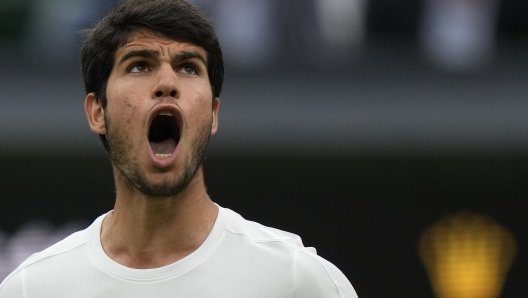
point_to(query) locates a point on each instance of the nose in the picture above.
(166, 83)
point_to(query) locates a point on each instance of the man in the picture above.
(153, 73)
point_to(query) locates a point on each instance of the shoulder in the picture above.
(67, 244)
(12, 284)
(11, 287)
(313, 276)
(258, 233)
(317, 277)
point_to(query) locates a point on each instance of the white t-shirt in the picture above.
(239, 259)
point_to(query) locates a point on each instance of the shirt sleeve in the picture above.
(315, 277)
(11, 287)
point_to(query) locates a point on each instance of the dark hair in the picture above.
(175, 19)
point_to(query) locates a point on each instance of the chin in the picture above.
(164, 186)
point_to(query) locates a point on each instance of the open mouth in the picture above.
(164, 135)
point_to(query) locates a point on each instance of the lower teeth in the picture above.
(163, 156)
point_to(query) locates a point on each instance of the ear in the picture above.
(95, 114)
(216, 106)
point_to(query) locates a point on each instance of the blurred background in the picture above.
(357, 124)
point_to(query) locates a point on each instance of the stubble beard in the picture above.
(128, 165)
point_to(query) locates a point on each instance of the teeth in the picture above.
(165, 113)
(162, 156)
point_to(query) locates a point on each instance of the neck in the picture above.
(146, 232)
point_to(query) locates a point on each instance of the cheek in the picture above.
(122, 108)
(130, 111)
(201, 108)
(203, 99)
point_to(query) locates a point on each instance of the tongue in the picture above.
(164, 147)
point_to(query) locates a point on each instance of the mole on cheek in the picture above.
(130, 110)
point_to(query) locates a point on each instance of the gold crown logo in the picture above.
(467, 256)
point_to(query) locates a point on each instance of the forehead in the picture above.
(146, 39)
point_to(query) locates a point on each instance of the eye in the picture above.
(138, 67)
(188, 69)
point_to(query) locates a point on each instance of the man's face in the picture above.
(159, 114)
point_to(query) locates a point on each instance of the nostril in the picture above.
(159, 94)
(173, 93)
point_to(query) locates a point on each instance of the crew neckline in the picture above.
(104, 262)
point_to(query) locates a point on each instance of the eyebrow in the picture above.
(138, 53)
(154, 54)
(189, 55)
